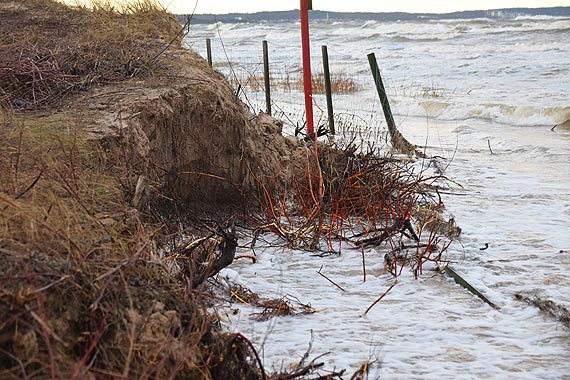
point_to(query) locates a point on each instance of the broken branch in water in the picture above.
(398, 225)
(329, 280)
(380, 298)
(559, 312)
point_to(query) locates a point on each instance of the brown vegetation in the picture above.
(364, 199)
(82, 293)
(341, 82)
(555, 310)
(49, 51)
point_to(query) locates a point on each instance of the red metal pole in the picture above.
(305, 6)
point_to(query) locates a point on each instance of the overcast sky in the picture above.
(420, 6)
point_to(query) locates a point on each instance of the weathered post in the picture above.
(328, 89)
(381, 93)
(209, 51)
(266, 78)
(306, 5)
(399, 142)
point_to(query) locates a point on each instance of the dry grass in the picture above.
(50, 51)
(341, 83)
(286, 81)
(284, 306)
(76, 265)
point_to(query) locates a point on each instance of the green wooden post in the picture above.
(266, 78)
(209, 51)
(328, 89)
(382, 94)
(399, 142)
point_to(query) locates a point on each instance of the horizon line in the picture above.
(391, 12)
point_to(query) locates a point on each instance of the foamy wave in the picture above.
(498, 113)
(540, 18)
(421, 38)
(223, 27)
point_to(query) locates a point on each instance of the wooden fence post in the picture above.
(266, 78)
(381, 93)
(209, 51)
(328, 89)
(398, 141)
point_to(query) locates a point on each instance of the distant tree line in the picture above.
(292, 15)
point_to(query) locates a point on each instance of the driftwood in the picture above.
(380, 298)
(228, 248)
(205, 257)
(564, 126)
(559, 312)
(329, 280)
(398, 226)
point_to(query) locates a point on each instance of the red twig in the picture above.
(46, 335)
(17, 360)
(78, 370)
(238, 336)
(380, 298)
(363, 266)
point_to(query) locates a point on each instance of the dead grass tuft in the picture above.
(341, 82)
(277, 307)
(50, 51)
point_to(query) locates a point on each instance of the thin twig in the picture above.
(133, 331)
(181, 33)
(30, 186)
(43, 288)
(45, 327)
(46, 334)
(124, 264)
(82, 367)
(308, 352)
(380, 298)
(238, 336)
(363, 266)
(329, 280)
(17, 360)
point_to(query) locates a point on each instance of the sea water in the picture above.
(484, 94)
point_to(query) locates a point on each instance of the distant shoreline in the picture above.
(293, 15)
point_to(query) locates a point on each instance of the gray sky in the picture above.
(433, 6)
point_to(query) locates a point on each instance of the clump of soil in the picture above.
(192, 139)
